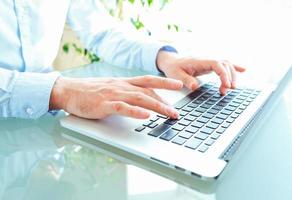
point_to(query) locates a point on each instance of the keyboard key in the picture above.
(242, 107)
(197, 124)
(238, 111)
(186, 134)
(162, 116)
(203, 120)
(209, 142)
(215, 136)
(152, 125)
(188, 109)
(249, 100)
(190, 118)
(230, 120)
(240, 98)
(147, 123)
(246, 103)
(159, 130)
(201, 110)
(225, 125)
(179, 140)
(201, 135)
(216, 107)
(140, 128)
(193, 143)
(195, 113)
(203, 148)
(237, 101)
(193, 105)
(183, 113)
(206, 106)
(210, 102)
(212, 125)
(178, 127)
(217, 121)
(197, 101)
(220, 130)
(169, 134)
(221, 103)
(226, 112)
(196, 93)
(213, 111)
(192, 129)
(184, 122)
(208, 115)
(207, 130)
(171, 121)
(221, 116)
(202, 98)
(154, 119)
(234, 115)
(231, 108)
(180, 104)
(233, 104)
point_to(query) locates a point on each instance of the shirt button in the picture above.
(29, 111)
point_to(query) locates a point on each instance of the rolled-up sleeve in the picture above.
(25, 94)
(114, 42)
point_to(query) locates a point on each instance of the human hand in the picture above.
(97, 98)
(187, 68)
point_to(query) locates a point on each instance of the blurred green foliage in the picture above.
(116, 9)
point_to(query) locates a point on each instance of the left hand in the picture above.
(187, 68)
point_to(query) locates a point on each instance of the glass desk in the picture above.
(41, 160)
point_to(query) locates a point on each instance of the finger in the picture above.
(239, 68)
(223, 90)
(124, 109)
(189, 81)
(145, 101)
(233, 76)
(156, 82)
(149, 92)
(228, 71)
(220, 70)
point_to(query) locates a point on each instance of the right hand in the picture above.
(97, 98)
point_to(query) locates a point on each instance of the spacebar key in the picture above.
(159, 130)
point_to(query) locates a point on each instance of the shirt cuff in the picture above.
(149, 55)
(30, 96)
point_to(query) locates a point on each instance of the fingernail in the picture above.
(172, 112)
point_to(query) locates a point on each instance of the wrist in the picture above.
(165, 60)
(57, 98)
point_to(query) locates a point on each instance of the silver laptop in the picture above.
(200, 143)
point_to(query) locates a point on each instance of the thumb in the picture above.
(189, 81)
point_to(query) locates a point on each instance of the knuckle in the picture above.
(158, 106)
(118, 106)
(106, 90)
(149, 92)
(131, 112)
(217, 63)
(139, 96)
(148, 78)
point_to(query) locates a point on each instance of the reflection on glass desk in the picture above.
(41, 160)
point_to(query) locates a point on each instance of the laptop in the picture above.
(200, 143)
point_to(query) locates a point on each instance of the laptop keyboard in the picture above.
(204, 117)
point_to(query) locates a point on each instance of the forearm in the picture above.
(110, 40)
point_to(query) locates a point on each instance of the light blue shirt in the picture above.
(30, 33)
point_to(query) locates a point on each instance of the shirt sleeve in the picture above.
(115, 43)
(25, 94)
